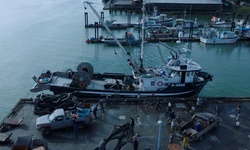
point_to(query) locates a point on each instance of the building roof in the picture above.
(184, 1)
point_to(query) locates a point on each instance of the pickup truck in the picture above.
(200, 124)
(60, 119)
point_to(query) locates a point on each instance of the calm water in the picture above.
(37, 35)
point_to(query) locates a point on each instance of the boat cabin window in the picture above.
(175, 73)
(152, 83)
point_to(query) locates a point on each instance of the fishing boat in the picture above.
(163, 19)
(213, 36)
(178, 77)
(128, 39)
(155, 20)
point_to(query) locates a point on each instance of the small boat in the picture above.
(213, 36)
(163, 32)
(128, 39)
(112, 25)
(156, 20)
(185, 24)
(219, 23)
(149, 23)
(178, 77)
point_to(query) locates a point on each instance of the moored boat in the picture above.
(220, 23)
(213, 36)
(185, 24)
(128, 39)
(156, 20)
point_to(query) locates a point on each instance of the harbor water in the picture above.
(39, 35)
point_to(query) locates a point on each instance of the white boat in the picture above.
(178, 77)
(213, 36)
(219, 23)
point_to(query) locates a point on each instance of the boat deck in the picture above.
(146, 117)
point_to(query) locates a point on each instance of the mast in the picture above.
(131, 61)
(143, 38)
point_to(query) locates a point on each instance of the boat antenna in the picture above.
(130, 60)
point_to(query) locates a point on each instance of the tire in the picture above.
(45, 132)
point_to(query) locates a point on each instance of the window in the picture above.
(59, 118)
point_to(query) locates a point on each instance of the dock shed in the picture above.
(177, 5)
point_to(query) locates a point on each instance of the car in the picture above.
(200, 124)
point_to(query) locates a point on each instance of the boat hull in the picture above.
(124, 42)
(173, 90)
(217, 40)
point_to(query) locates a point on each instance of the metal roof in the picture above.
(184, 1)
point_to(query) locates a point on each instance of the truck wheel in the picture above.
(45, 131)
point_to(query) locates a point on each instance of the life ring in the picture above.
(160, 83)
(82, 85)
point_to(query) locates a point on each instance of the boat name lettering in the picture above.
(178, 85)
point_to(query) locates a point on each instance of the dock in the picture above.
(170, 39)
(118, 112)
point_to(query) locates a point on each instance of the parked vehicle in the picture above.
(200, 124)
(60, 119)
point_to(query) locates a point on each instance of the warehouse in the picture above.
(177, 5)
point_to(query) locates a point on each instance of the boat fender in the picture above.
(82, 85)
(160, 83)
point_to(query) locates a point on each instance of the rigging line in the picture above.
(119, 58)
(83, 29)
(160, 53)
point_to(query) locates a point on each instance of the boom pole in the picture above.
(134, 65)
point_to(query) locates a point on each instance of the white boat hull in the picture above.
(217, 40)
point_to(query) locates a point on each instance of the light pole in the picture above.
(159, 122)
